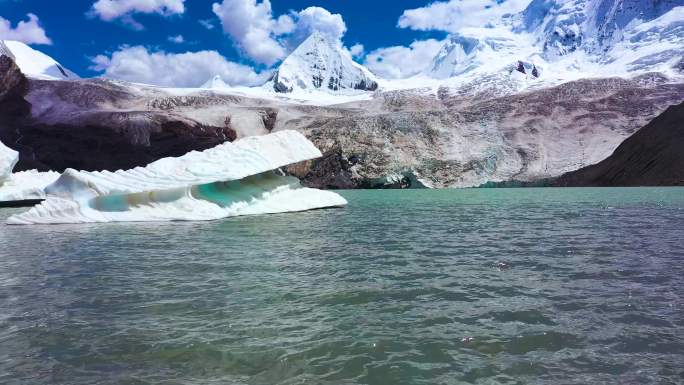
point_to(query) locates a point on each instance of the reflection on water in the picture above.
(400, 287)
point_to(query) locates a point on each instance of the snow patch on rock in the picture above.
(33, 63)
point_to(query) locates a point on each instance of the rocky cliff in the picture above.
(653, 156)
(87, 135)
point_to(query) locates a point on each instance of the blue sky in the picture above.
(77, 34)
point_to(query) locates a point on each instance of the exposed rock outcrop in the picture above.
(653, 156)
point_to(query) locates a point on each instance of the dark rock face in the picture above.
(92, 148)
(369, 85)
(269, 117)
(653, 156)
(521, 67)
(278, 86)
(13, 87)
(332, 171)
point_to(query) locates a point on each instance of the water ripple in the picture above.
(533, 286)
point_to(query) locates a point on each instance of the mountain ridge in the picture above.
(320, 64)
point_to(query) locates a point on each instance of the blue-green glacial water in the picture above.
(400, 287)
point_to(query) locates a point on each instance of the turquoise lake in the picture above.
(475, 286)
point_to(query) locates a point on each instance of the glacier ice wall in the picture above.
(228, 180)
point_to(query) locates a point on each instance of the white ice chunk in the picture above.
(228, 180)
(26, 185)
(8, 159)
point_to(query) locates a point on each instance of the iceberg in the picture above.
(231, 179)
(26, 186)
(21, 186)
(8, 159)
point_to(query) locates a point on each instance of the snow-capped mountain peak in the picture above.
(604, 31)
(321, 64)
(570, 39)
(216, 82)
(34, 63)
(483, 50)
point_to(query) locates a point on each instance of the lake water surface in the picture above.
(400, 287)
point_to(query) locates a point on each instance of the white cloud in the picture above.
(401, 62)
(190, 69)
(29, 32)
(252, 26)
(178, 39)
(357, 50)
(316, 19)
(208, 23)
(108, 10)
(451, 16)
(267, 39)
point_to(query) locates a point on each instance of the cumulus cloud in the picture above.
(357, 50)
(265, 38)
(451, 16)
(108, 10)
(316, 19)
(401, 62)
(178, 39)
(252, 26)
(29, 32)
(190, 69)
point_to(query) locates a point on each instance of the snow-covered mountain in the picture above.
(34, 63)
(570, 39)
(320, 64)
(216, 82)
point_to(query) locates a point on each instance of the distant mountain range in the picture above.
(550, 90)
(550, 42)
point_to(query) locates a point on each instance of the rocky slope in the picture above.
(653, 156)
(395, 139)
(59, 124)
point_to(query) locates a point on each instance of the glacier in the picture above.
(231, 179)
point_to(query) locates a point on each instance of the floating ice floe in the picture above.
(21, 186)
(228, 180)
